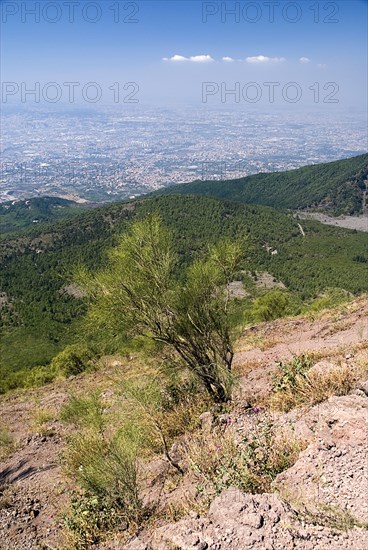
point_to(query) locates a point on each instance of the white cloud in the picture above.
(321, 65)
(226, 59)
(304, 60)
(194, 58)
(175, 58)
(264, 59)
(201, 58)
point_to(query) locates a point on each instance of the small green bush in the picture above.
(12, 380)
(138, 294)
(34, 377)
(111, 474)
(101, 456)
(73, 360)
(330, 298)
(289, 372)
(88, 517)
(274, 305)
(107, 470)
(84, 411)
(39, 376)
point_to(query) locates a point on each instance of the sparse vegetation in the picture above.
(251, 464)
(150, 412)
(86, 520)
(297, 385)
(289, 372)
(84, 411)
(136, 436)
(333, 517)
(41, 419)
(104, 464)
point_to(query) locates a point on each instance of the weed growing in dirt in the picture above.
(88, 518)
(41, 419)
(142, 419)
(219, 462)
(106, 470)
(102, 460)
(290, 371)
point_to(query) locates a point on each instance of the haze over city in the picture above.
(130, 96)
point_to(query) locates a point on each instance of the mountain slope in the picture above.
(38, 439)
(41, 315)
(336, 187)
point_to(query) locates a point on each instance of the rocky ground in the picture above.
(318, 503)
(236, 520)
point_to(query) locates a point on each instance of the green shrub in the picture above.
(13, 380)
(107, 470)
(274, 305)
(35, 377)
(39, 376)
(88, 517)
(289, 372)
(101, 456)
(138, 294)
(330, 298)
(84, 411)
(110, 473)
(73, 360)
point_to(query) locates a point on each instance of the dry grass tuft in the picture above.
(327, 515)
(313, 387)
(6, 442)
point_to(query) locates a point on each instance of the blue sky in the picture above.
(169, 48)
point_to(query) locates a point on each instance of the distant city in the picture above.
(105, 156)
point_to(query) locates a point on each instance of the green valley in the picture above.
(38, 265)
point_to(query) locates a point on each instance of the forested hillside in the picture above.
(40, 313)
(21, 214)
(336, 187)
